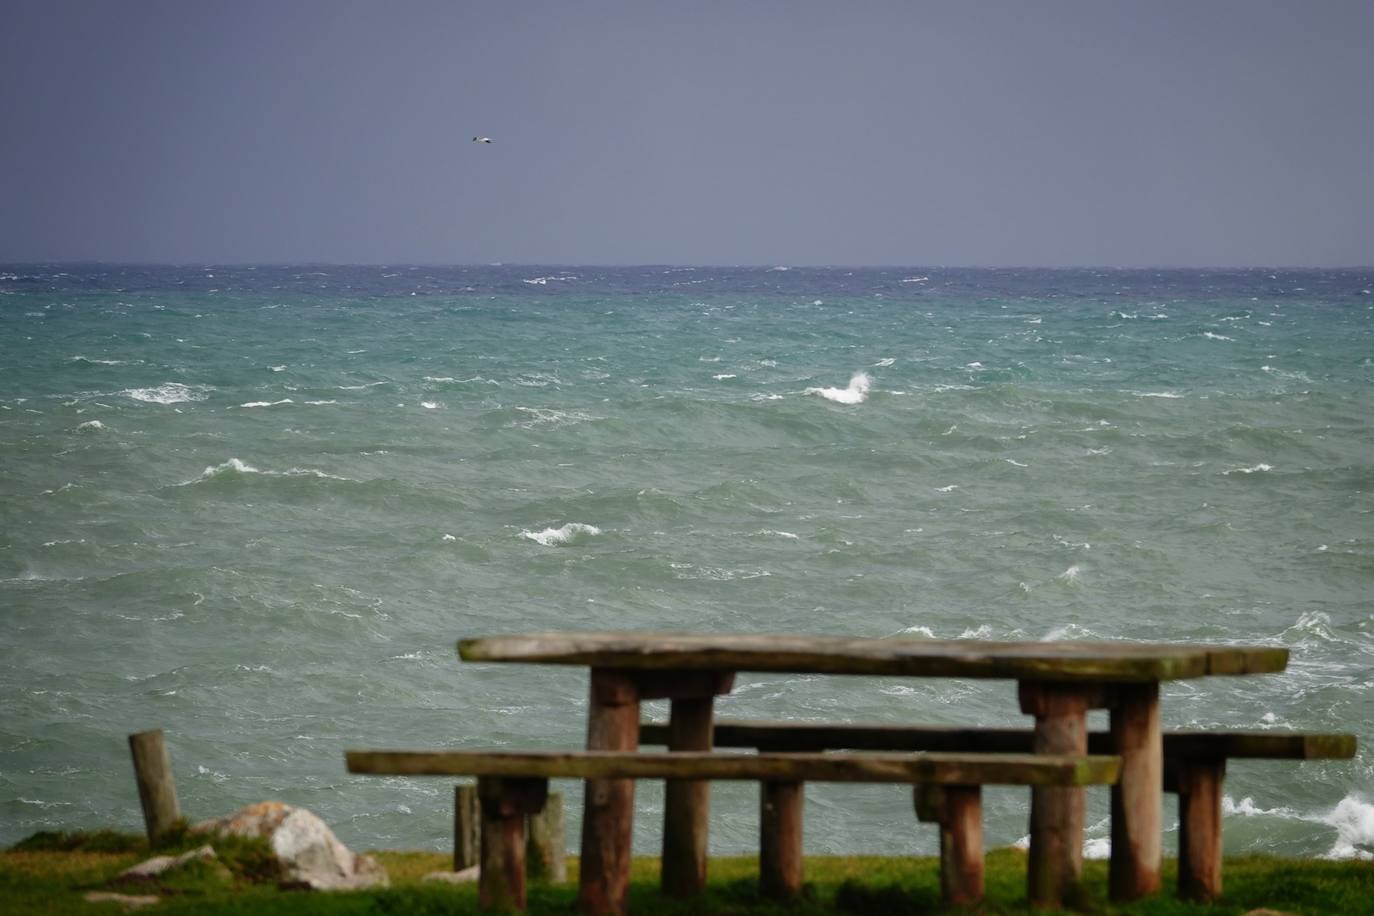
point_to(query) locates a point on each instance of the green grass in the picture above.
(49, 873)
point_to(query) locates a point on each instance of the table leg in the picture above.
(1057, 813)
(1137, 799)
(608, 818)
(687, 801)
(1199, 827)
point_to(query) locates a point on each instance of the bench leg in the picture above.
(959, 812)
(505, 805)
(1057, 813)
(1199, 818)
(780, 840)
(687, 802)
(608, 818)
(1137, 799)
(546, 847)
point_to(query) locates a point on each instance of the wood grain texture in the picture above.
(955, 769)
(608, 801)
(780, 839)
(1199, 829)
(1107, 662)
(467, 827)
(505, 803)
(961, 845)
(157, 789)
(1137, 797)
(686, 803)
(546, 843)
(1055, 868)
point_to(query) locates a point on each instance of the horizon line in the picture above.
(670, 264)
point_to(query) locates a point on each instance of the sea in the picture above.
(256, 507)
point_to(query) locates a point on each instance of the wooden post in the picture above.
(1056, 820)
(157, 790)
(608, 818)
(780, 839)
(687, 802)
(959, 812)
(467, 826)
(1199, 821)
(547, 846)
(505, 805)
(1137, 798)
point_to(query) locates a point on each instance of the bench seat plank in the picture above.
(947, 769)
(1189, 743)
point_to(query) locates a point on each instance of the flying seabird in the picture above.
(481, 139)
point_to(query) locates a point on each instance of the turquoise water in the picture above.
(257, 506)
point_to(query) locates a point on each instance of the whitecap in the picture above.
(551, 537)
(1014, 463)
(782, 534)
(267, 403)
(915, 279)
(92, 425)
(1071, 575)
(167, 393)
(430, 405)
(884, 362)
(1210, 336)
(949, 489)
(320, 403)
(722, 376)
(96, 362)
(1255, 469)
(855, 393)
(277, 368)
(1170, 395)
(236, 466)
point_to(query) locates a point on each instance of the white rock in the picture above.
(304, 845)
(471, 873)
(129, 901)
(159, 864)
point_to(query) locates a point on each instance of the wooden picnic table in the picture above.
(1058, 682)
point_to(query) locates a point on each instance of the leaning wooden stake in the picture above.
(546, 847)
(467, 832)
(157, 790)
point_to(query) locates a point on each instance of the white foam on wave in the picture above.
(167, 393)
(267, 403)
(1210, 336)
(96, 362)
(722, 376)
(92, 425)
(1352, 818)
(277, 368)
(543, 281)
(552, 537)
(236, 466)
(1168, 395)
(884, 362)
(855, 393)
(1255, 469)
(1071, 575)
(430, 405)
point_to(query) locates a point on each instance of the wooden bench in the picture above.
(1194, 766)
(512, 785)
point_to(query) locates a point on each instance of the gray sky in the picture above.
(1046, 133)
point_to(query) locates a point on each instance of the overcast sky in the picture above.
(969, 133)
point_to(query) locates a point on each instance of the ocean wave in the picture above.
(86, 360)
(552, 537)
(1254, 469)
(92, 425)
(855, 393)
(234, 467)
(267, 403)
(1352, 818)
(168, 393)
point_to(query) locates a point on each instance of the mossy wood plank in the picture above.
(809, 736)
(1068, 661)
(950, 769)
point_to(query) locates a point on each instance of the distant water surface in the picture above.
(257, 506)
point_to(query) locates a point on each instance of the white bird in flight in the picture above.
(481, 139)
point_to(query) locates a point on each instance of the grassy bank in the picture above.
(54, 880)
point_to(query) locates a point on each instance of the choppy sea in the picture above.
(257, 506)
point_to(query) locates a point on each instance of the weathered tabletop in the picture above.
(1057, 683)
(1116, 662)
